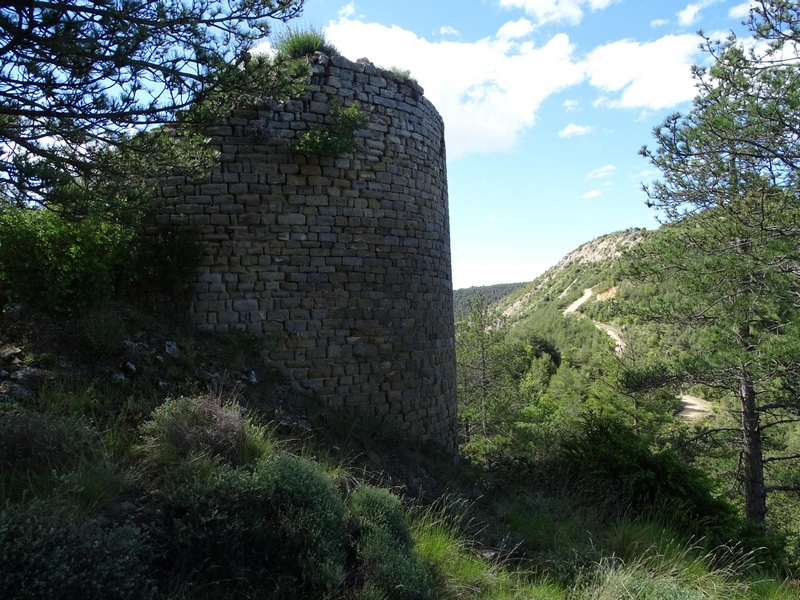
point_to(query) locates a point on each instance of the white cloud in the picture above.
(651, 75)
(573, 130)
(347, 11)
(447, 30)
(741, 11)
(545, 11)
(601, 173)
(691, 14)
(592, 194)
(477, 87)
(516, 29)
(264, 47)
(647, 174)
(658, 23)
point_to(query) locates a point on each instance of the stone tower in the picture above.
(343, 262)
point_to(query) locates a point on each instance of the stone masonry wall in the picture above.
(344, 262)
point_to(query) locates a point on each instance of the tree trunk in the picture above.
(754, 490)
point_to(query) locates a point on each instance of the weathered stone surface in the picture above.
(344, 261)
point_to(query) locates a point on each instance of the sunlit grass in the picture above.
(462, 572)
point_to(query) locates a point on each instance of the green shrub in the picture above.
(52, 263)
(104, 332)
(44, 456)
(372, 509)
(38, 442)
(45, 554)
(202, 424)
(299, 42)
(400, 72)
(613, 461)
(277, 530)
(338, 138)
(388, 568)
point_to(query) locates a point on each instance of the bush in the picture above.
(340, 136)
(372, 509)
(277, 530)
(202, 424)
(297, 43)
(616, 462)
(387, 566)
(38, 442)
(52, 263)
(45, 554)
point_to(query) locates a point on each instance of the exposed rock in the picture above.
(31, 376)
(129, 368)
(8, 352)
(171, 349)
(14, 392)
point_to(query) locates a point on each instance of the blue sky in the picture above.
(545, 103)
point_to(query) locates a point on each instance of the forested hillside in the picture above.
(490, 293)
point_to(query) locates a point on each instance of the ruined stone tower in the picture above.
(344, 262)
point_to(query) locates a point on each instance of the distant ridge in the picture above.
(602, 250)
(490, 293)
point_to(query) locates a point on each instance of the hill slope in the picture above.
(592, 264)
(490, 293)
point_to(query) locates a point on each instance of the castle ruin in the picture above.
(344, 262)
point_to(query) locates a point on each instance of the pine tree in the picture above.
(731, 245)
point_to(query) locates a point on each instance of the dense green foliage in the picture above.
(490, 294)
(45, 551)
(387, 563)
(85, 85)
(277, 528)
(339, 137)
(730, 194)
(52, 262)
(616, 462)
(298, 42)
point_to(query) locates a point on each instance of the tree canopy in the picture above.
(84, 84)
(731, 197)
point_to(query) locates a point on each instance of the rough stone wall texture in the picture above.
(344, 262)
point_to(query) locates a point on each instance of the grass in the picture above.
(298, 42)
(461, 571)
(90, 448)
(680, 574)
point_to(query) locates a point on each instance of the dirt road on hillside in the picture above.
(587, 293)
(612, 331)
(694, 408)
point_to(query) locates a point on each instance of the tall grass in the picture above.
(678, 574)
(297, 42)
(461, 571)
